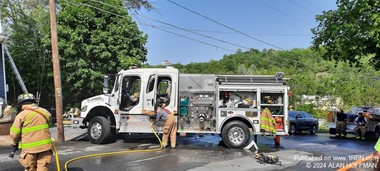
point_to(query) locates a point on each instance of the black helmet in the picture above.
(28, 97)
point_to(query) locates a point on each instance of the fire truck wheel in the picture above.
(99, 130)
(235, 134)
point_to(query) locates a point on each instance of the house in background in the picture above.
(3, 83)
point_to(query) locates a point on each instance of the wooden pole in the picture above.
(57, 72)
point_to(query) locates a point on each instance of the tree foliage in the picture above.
(95, 37)
(350, 31)
(93, 42)
(24, 21)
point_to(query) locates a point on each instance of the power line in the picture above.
(313, 5)
(179, 27)
(195, 40)
(83, 4)
(224, 25)
(282, 12)
(308, 9)
(194, 32)
(229, 32)
(87, 5)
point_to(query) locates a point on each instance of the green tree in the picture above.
(352, 30)
(23, 22)
(94, 39)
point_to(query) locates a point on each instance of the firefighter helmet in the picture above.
(27, 97)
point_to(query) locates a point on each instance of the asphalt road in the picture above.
(195, 153)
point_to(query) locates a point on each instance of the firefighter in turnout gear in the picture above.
(170, 126)
(361, 122)
(376, 155)
(267, 122)
(30, 132)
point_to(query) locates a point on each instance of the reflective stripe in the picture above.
(15, 130)
(35, 128)
(268, 119)
(265, 118)
(34, 144)
(269, 128)
(377, 146)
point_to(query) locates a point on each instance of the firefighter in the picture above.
(376, 155)
(291, 108)
(361, 122)
(30, 132)
(170, 126)
(341, 123)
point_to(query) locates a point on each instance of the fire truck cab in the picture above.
(229, 105)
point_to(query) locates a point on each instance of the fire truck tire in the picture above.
(235, 134)
(99, 130)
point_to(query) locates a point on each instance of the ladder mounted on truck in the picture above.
(252, 79)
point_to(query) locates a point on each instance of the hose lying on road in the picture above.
(114, 153)
(56, 158)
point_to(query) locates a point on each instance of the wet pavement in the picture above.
(198, 153)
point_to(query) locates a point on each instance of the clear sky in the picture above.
(186, 31)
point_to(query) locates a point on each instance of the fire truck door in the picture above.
(150, 93)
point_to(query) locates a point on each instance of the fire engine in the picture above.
(228, 105)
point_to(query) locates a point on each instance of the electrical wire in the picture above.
(177, 27)
(307, 9)
(90, 6)
(224, 25)
(229, 32)
(193, 32)
(283, 12)
(195, 40)
(312, 5)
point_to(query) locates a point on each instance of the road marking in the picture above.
(355, 163)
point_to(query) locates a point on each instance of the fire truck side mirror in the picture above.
(105, 84)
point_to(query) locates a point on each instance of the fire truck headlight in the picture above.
(84, 108)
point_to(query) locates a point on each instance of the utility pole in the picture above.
(57, 72)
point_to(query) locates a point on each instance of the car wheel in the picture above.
(292, 129)
(99, 130)
(235, 134)
(313, 130)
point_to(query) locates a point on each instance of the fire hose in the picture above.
(116, 152)
(15, 148)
